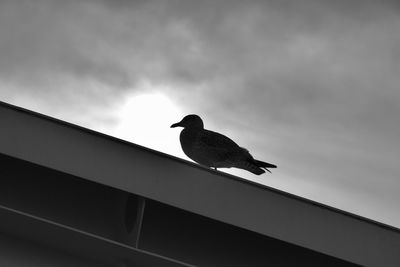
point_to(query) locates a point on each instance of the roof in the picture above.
(110, 161)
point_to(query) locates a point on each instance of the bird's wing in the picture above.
(214, 149)
(217, 141)
(217, 148)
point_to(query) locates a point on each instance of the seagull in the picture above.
(215, 150)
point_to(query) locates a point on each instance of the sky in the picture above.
(309, 85)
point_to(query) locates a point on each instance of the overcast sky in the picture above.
(312, 86)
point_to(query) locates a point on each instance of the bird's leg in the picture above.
(215, 168)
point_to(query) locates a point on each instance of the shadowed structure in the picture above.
(215, 150)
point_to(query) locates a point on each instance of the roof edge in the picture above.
(186, 162)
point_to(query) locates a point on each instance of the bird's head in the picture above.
(190, 121)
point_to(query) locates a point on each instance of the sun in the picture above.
(145, 119)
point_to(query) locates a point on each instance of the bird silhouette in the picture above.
(215, 150)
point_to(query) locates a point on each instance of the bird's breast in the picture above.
(193, 148)
(188, 140)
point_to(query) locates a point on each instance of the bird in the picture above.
(215, 150)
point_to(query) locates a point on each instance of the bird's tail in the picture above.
(249, 166)
(252, 165)
(264, 165)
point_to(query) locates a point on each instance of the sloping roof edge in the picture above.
(101, 158)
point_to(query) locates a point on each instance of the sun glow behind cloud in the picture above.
(145, 119)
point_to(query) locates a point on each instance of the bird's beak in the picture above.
(175, 125)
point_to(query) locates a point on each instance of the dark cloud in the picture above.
(45, 43)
